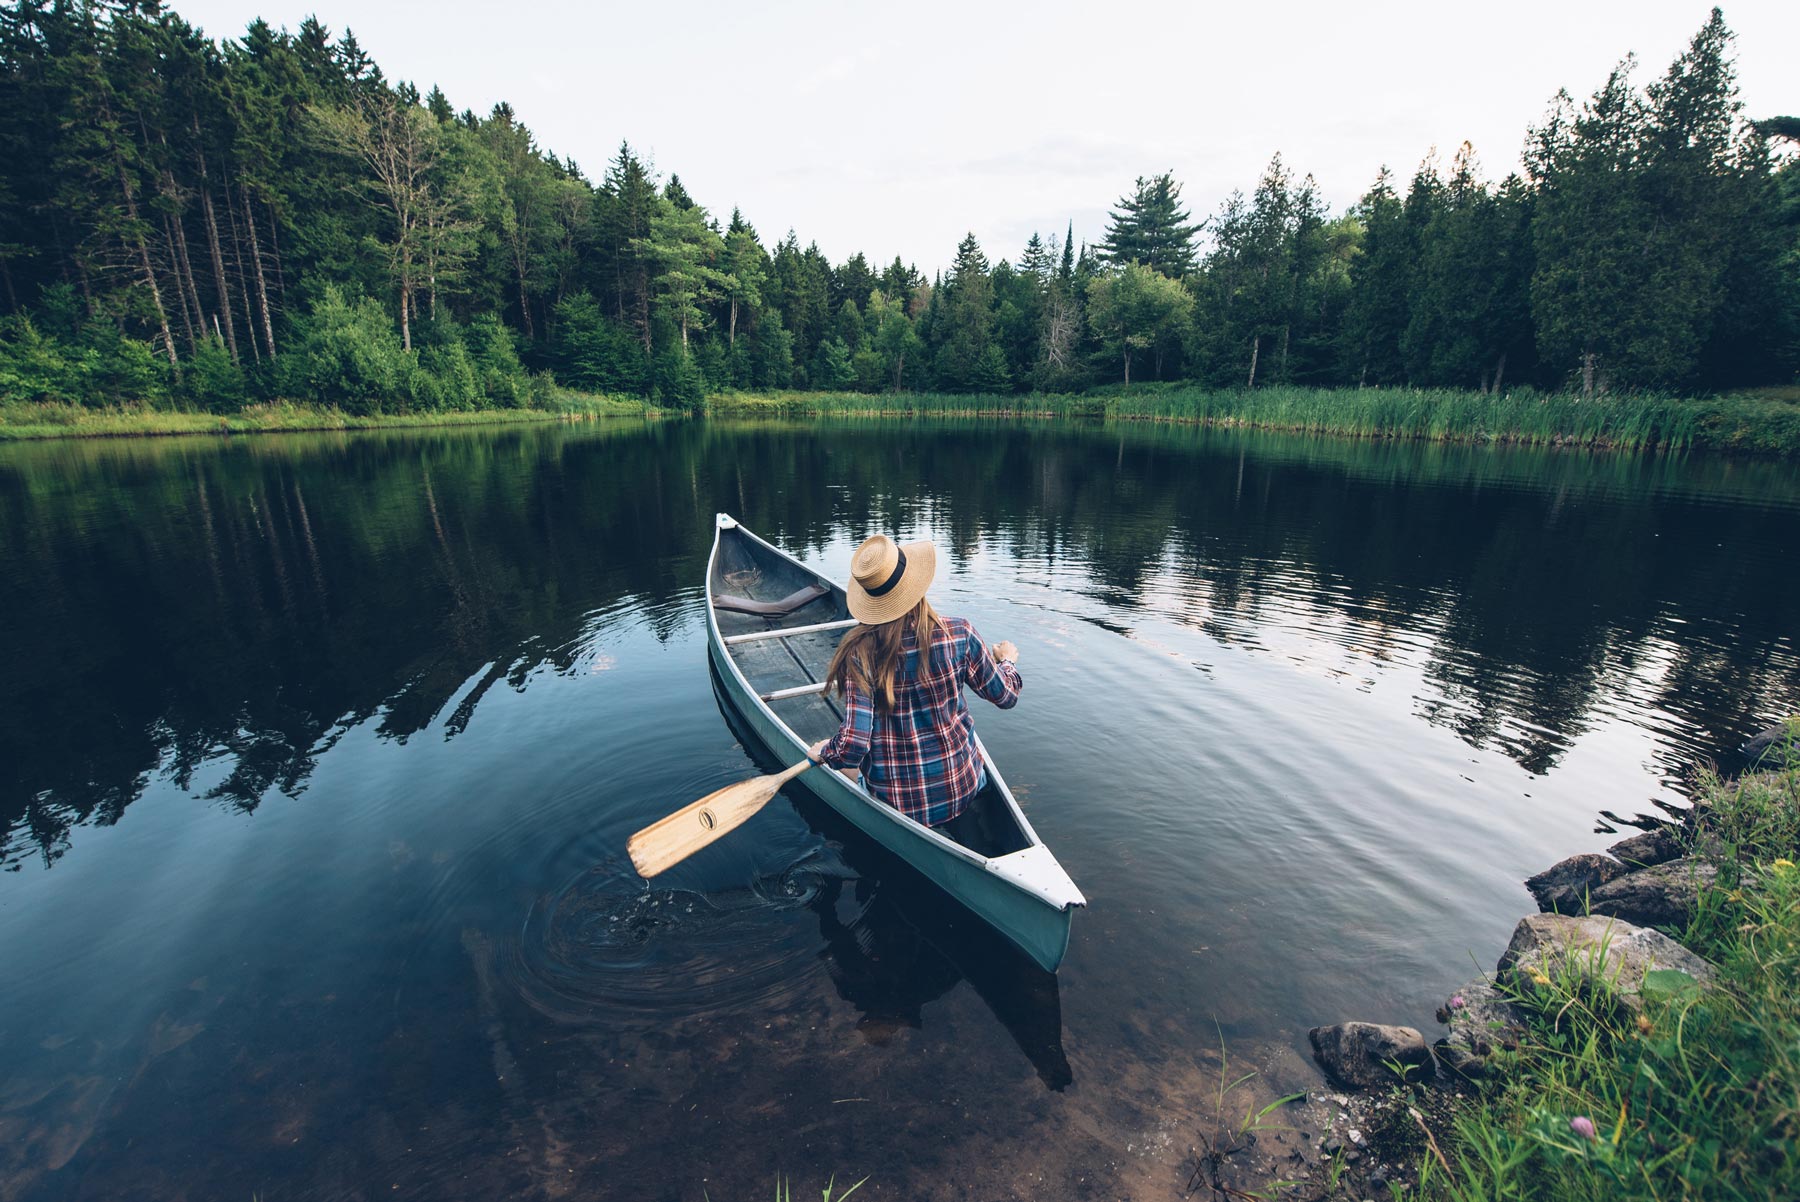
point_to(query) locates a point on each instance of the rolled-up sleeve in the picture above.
(850, 746)
(991, 679)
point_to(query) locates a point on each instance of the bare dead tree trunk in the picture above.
(643, 307)
(1281, 356)
(1499, 372)
(525, 301)
(1127, 365)
(1587, 373)
(212, 236)
(734, 323)
(143, 258)
(406, 298)
(275, 255)
(191, 318)
(237, 259)
(187, 270)
(262, 287)
(1255, 350)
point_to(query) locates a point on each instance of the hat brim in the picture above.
(921, 567)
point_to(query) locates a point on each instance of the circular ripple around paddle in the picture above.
(606, 945)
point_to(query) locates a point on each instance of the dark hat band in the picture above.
(887, 586)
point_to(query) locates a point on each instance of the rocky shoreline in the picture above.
(1595, 931)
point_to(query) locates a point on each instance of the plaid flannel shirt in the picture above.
(921, 759)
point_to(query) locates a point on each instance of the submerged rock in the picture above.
(1659, 896)
(1481, 1021)
(1657, 846)
(1563, 888)
(1358, 1054)
(1591, 952)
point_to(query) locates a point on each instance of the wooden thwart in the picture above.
(785, 632)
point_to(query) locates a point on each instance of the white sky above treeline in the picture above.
(896, 128)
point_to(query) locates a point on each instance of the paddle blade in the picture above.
(665, 843)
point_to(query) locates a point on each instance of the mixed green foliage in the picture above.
(203, 225)
(1695, 1096)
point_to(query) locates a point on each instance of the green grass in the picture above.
(1697, 1098)
(904, 404)
(1766, 422)
(33, 420)
(1759, 424)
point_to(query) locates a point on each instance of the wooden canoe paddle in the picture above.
(668, 841)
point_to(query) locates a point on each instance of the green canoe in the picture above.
(772, 625)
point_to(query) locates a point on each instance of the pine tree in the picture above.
(1036, 261)
(1151, 227)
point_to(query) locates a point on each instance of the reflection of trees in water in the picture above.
(172, 604)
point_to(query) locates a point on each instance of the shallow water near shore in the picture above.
(319, 753)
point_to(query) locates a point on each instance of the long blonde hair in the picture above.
(874, 655)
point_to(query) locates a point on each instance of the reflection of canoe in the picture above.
(772, 626)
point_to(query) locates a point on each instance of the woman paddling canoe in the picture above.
(905, 725)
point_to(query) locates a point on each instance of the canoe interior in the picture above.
(743, 568)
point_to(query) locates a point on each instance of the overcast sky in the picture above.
(896, 128)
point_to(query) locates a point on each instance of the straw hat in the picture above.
(888, 578)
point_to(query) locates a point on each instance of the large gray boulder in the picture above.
(1358, 1054)
(1657, 846)
(1481, 1021)
(1592, 952)
(1659, 896)
(1563, 888)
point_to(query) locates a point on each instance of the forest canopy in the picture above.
(207, 223)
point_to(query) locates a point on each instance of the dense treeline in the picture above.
(214, 223)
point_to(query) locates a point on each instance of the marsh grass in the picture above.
(1765, 424)
(1696, 1095)
(1754, 424)
(35, 420)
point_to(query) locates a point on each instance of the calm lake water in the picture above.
(318, 755)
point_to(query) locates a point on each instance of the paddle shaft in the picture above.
(667, 842)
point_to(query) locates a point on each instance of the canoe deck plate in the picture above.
(1038, 871)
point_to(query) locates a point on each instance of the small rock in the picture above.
(1594, 949)
(1659, 896)
(1356, 1137)
(1486, 1021)
(1332, 1147)
(1355, 1054)
(1378, 1179)
(1657, 846)
(1459, 1060)
(1563, 888)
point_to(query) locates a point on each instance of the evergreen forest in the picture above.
(206, 224)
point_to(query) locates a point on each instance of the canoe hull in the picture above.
(1041, 931)
(1020, 890)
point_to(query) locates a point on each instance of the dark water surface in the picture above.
(318, 755)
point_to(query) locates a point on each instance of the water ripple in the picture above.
(605, 944)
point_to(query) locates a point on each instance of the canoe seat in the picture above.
(798, 599)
